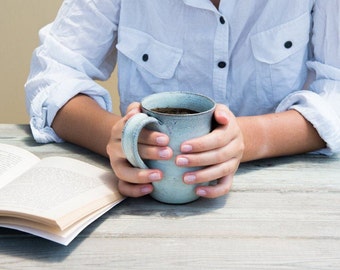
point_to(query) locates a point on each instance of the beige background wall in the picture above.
(20, 21)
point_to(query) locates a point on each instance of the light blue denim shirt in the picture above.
(256, 57)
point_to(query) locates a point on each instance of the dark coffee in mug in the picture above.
(174, 110)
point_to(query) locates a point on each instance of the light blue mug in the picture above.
(179, 127)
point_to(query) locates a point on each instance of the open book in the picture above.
(55, 197)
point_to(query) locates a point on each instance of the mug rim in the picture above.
(211, 106)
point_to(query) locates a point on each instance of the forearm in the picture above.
(83, 122)
(278, 134)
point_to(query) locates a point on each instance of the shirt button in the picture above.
(288, 44)
(145, 57)
(222, 64)
(222, 20)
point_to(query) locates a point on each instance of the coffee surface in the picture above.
(174, 110)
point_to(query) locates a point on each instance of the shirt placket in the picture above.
(221, 59)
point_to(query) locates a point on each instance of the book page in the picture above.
(62, 237)
(13, 162)
(59, 191)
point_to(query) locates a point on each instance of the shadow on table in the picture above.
(22, 245)
(29, 247)
(147, 206)
(15, 244)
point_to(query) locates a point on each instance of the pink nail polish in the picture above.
(155, 176)
(182, 161)
(164, 153)
(145, 190)
(186, 148)
(161, 140)
(190, 179)
(201, 192)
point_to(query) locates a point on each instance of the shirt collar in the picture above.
(203, 4)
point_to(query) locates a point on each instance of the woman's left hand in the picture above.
(220, 151)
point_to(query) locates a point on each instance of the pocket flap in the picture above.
(278, 43)
(157, 58)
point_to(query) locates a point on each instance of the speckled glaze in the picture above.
(179, 127)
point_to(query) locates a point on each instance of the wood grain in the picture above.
(282, 213)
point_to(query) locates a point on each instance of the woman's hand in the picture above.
(135, 182)
(221, 151)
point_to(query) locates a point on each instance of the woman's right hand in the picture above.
(136, 182)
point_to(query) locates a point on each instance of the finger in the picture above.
(150, 137)
(213, 140)
(205, 158)
(217, 138)
(211, 173)
(222, 187)
(133, 190)
(154, 153)
(146, 136)
(123, 170)
(114, 149)
(151, 145)
(222, 114)
(116, 131)
(215, 156)
(134, 106)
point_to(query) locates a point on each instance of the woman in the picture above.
(273, 67)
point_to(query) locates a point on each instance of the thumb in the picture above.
(133, 109)
(221, 114)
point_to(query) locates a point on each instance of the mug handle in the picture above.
(130, 135)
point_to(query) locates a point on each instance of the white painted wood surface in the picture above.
(282, 213)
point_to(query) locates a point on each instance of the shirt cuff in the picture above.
(319, 113)
(45, 106)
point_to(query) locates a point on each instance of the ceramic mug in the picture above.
(180, 115)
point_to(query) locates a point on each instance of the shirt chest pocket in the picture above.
(276, 44)
(281, 54)
(149, 55)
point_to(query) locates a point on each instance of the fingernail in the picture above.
(133, 111)
(182, 161)
(146, 190)
(189, 179)
(161, 140)
(186, 148)
(155, 176)
(201, 192)
(165, 153)
(222, 114)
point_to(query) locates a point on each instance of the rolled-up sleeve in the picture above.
(75, 50)
(320, 104)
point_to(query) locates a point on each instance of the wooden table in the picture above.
(281, 214)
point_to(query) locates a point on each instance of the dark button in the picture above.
(222, 64)
(222, 20)
(145, 57)
(288, 44)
